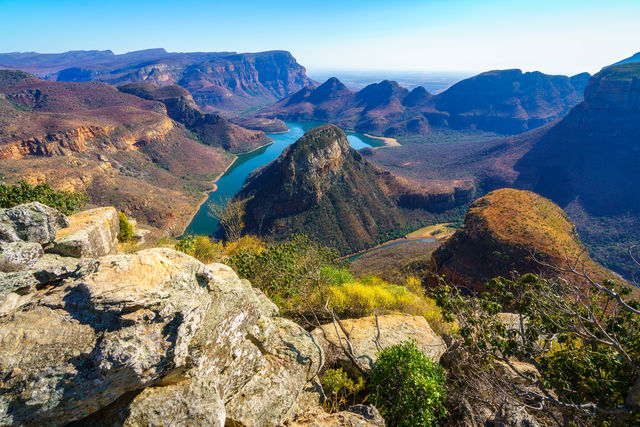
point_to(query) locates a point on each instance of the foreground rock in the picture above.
(31, 222)
(147, 339)
(355, 416)
(91, 233)
(394, 329)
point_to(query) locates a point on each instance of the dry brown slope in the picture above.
(121, 149)
(506, 233)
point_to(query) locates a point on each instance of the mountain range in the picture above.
(219, 81)
(503, 101)
(586, 163)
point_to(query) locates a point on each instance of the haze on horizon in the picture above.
(565, 37)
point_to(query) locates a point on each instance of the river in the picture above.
(231, 182)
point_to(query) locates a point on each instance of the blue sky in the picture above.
(554, 36)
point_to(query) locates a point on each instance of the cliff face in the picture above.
(501, 233)
(218, 81)
(120, 148)
(594, 152)
(322, 187)
(211, 129)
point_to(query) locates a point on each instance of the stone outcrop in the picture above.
(91, 233)
(16, 256)
(31, 222)
(150, 338)
(394, 329)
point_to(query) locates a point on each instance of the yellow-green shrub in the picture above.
(372, 294)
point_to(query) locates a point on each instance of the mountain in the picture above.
(509, 101)
(219, 81)
(629, 60)
(119, 148)
(322, 187)
(500, 235)
(504, 102)
(211, 129)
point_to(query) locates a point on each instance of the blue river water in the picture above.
(231, 182)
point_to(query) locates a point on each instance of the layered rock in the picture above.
(211, 129)
(91, 233)
(322, 187)
(150, 338)
(507, 233)
(393, 330)
(119, 148)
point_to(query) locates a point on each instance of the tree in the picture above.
(230, 215)
(582, 343)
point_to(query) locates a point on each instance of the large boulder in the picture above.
(150, 338)
(31, 222)
(394, 329)
(90, 233)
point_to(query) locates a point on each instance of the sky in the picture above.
(553, 36)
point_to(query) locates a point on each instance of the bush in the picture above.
(66, 202)
(410, 388)
(288, 273)
(340, 390)
(202, 248)
(126, 229)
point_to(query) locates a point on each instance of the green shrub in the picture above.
(340, 390)
(126, 228)
(201, 248)
(186, 245)
(288, 273)
(410, 388)
(66, 202)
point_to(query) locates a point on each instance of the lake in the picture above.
(231, 182)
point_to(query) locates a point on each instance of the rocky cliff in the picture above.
(218, 81)
(119, 148)
(322, 187)
(151, 338)
(588, 164)
(511, 232)
(211, 129)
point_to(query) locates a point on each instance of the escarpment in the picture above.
(211, 129)
(117, 147)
